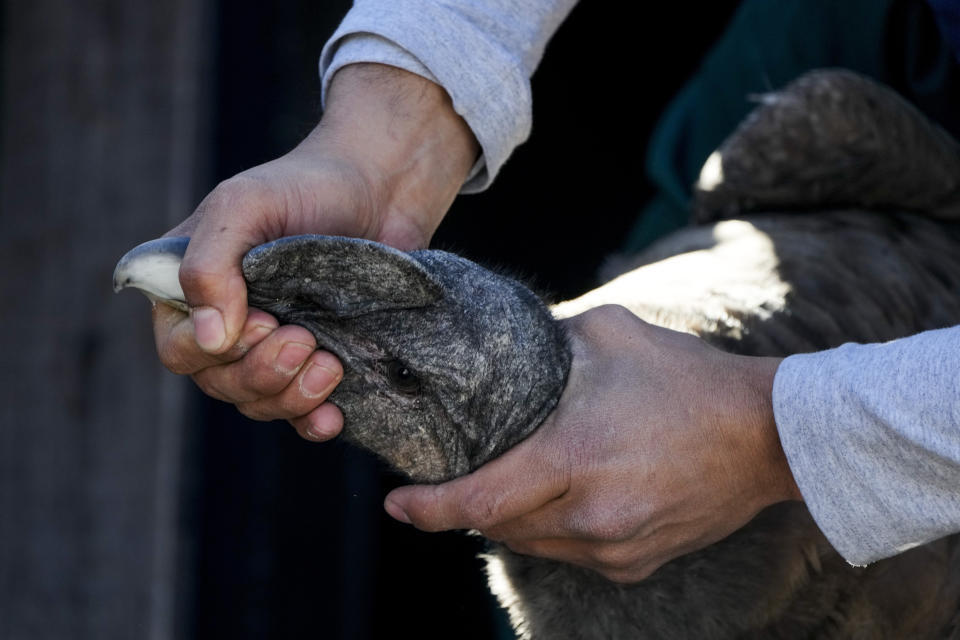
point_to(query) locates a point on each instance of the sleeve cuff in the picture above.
(492, 93)
(870, 433)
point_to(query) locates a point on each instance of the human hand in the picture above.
(385, 163)
(659, 446)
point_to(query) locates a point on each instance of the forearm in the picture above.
(483, 53)
(745, 412)
(872, 433)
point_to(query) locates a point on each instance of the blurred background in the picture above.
(130, 505)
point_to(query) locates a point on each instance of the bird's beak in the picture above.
(154, 268)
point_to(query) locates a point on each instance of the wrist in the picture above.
(410, 147)
(773, 478)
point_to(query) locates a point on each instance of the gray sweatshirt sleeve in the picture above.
(872, 435)
(482, 52)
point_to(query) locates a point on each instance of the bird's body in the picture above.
(447, 364)
(769, 285)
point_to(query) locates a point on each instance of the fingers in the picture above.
(485, 498)
(306, 387)
(216, 292)
(323, 423)
(281, 378)
(177, 346)
(270, 373)
(264, 370)
(236, 354)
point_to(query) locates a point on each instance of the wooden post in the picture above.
(102, 109)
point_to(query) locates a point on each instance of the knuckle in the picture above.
(194, 277)
(599, 522)
(243, 187)
(243, 192)
(173, 350)
(262, 377)
(616, 558)
(612, 529)
(267, 384)
(290, 400)
(601, 317)
(174, 359)
(206, 381)
(626, 576)
(174, 365)
(254, 411)
(273, 407)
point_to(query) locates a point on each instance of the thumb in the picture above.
(216, 293)
(210, 272)
(505, 488)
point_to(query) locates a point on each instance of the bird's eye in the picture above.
(402, 377)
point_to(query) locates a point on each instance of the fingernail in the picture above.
(209, 329)
(316, 381)
(396, 512)
(291, 356)
(315, 432)
(258, 333)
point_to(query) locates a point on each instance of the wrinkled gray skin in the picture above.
(867, 252)
(446, 364)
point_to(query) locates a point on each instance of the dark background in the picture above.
(132, 506)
